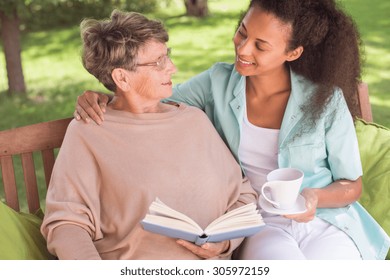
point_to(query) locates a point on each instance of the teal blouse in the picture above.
(327, 152)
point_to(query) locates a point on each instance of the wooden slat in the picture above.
(36, 137)
(364, 102)
(48, 163)
(10, 189)
(23, 141)
(30, 181)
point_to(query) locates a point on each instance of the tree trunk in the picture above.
(196, 8)
(10, 35)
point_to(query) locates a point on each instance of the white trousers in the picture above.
(285, 239)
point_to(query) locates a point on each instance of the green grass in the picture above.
(373, 20)
(55, 77)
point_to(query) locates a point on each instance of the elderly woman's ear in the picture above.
(121, 78)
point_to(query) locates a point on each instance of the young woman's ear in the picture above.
(295, 54)
(121, 78)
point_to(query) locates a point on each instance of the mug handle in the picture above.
(265, 186)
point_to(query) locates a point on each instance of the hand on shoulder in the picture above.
(91, 105)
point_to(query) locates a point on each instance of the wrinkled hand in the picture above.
(207, 250)
(311, 204)
(91, 105)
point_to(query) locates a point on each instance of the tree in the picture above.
(10, 35)
(196, 8)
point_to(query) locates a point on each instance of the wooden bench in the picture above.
(364, 103)
(23, 142)
(45, 138)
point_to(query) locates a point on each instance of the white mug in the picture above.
(284, 185)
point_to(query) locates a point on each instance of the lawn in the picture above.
(55, 76)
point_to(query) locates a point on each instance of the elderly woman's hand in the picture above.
(311, 204)
(207, 250)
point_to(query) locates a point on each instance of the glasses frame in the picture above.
(161, 63)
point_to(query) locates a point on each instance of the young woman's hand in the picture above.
(207, 250)
(340, 193)
(311, 198)
(91, 105)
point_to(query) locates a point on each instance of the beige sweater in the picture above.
(105, 178)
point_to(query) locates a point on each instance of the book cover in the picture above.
(240, 222)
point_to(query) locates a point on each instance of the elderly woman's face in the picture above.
(152, 78)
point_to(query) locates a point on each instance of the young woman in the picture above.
(288, 101)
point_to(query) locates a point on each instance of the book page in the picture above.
(176, 224)
(167, 216)
(240, 218)
(238, 212)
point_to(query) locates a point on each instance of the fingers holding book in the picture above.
(207, 250)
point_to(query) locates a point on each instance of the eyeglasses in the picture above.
(161, 63)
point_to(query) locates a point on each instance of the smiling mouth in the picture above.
(245, 62)
(167, 84)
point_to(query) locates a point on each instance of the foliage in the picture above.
(8, 6)
(43, 14)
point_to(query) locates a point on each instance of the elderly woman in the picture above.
(105, 177)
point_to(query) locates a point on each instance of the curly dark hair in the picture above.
(332, 48)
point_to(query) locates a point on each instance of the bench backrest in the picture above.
(364, 103)
(45, 138)
(23, 142)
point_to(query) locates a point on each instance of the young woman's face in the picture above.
(261, 43)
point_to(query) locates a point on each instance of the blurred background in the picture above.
(45, 81)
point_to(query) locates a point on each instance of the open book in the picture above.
(240, 222)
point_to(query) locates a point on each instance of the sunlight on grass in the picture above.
(379, 101)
